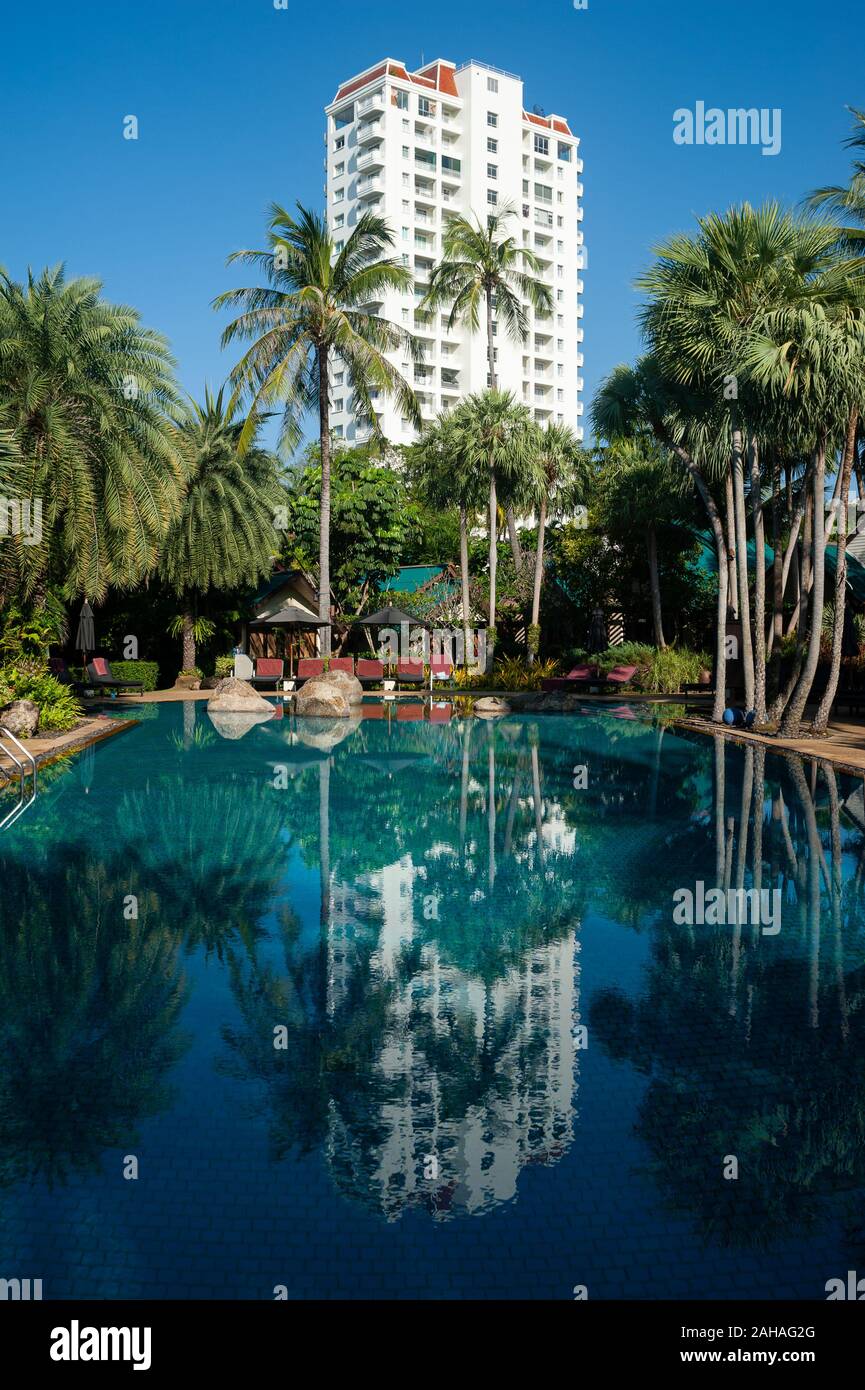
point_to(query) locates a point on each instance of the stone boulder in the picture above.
(349, 685)
(491, 707)
(323, 698)
(20, 718)
(231, 694)
(324, 734)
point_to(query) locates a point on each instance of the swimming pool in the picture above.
(402, 1008)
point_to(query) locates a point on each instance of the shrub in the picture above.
(223, 666)
(145, 671)
(658, 672)
(59, 710)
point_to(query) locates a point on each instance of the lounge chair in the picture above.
(268, 671)
(99, 674)
(369, 672)
(243, 667)
(619, 676)
(309, 666)
(60, 671)
(578, 679)
(441, 669)
(409, 672)
(341, 663)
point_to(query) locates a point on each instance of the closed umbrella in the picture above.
(598, 632)
(85, 640)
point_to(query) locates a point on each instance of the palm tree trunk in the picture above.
(794, 711)
(539, 573)
(464, 581)
(493, 524)
(324, 509)
(730, 519)
(513, 536)
(654, 583)
(821, 719)
(747, 653)
(188, 639)
(759, 703)
(721, 553)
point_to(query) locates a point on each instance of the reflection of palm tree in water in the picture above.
(89, 1010)
(748, 1039)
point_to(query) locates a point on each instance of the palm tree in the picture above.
(318, 305)
(482, 267)
(444, 475)
(225, 533)
(557, 459)
(849, 201)
(85, 391)
(494, 436)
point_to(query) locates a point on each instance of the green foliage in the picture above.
(145, 671)
(658, 672)
(223, 666)
(84, 391)
(372, 521)
(59, 710)
(26, 633)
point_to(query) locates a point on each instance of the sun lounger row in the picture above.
(99, 676)
(270, 671)
(585, 677)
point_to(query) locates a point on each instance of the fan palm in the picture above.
(484, 268)
(493, 434)
(225, 534)
(318, 305)
(85, 391)
(849, 201)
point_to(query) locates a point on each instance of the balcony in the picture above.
(580, 433)
(580, 359)
(545, 219)
(581, 333)
(580, 382)
(579, 189)
(579, 214)
(370, 130)
(579, 165)
(580, 286)
(371, 105)
(372, 159)
(579, 311)
(370, 187)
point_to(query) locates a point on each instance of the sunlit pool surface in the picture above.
(405, 1012)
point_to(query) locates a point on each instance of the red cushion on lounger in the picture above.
(342, 663)
(269, 666)
(410, 668)
(620, 675)
(368, 670)
(100, 666)
(441, 666)
(581, 673)
(310, 666)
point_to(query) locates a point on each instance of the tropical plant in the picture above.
(319, 305)
(225, 534)
(494, 435)
(849, 201)
(484, 267)
(58, 708)
(84, 391)
(559, 469)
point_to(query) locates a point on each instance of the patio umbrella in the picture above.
(389, 617)
(598, 632)
(292, 616)
(85, 640)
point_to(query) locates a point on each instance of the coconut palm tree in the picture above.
(224, 535)
(848, 202)
(85, 391)
(494, 435)
(559, 467)
(484, 268)
(318, 306)
(444, 475)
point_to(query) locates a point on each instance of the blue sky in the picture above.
(229, 97)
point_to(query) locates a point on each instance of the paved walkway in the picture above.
(50, 746)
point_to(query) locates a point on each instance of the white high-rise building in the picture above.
(416, 147)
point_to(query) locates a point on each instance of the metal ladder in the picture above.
(25, 798)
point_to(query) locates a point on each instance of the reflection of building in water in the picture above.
(471, 1081)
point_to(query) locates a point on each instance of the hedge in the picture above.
(145, 671)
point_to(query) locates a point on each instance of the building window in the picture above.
(406, 124)
(425, 107)
(337, 405)
(560, 272)
(560, 295)
(338, 195)
(492, 197)
(339, 142)
(337, 431)
(560, 246)
(492, 84)
(492, 145)
(492, 171)
(405, 231)
(339, 379)
(406, 180)
(560, 369)
(339, 220)
(543, 193)
(560, 345)
(400, 99)
(564, 152)
(492, 119)
(405, 151)
(542, 144)
(560, 197)
(560, 395)
(338, 171)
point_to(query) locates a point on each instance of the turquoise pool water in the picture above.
(402, 1008)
